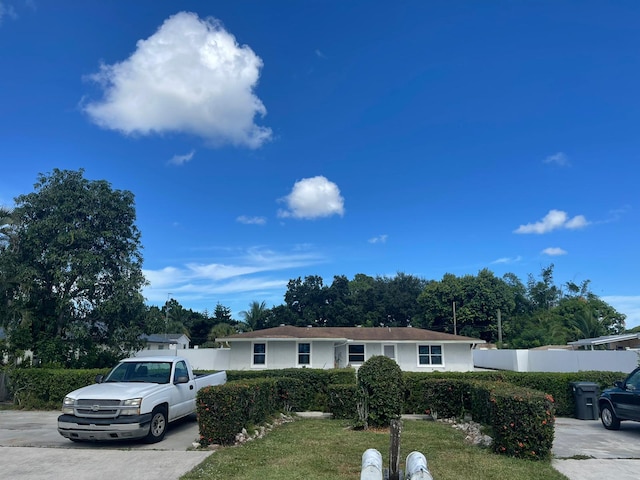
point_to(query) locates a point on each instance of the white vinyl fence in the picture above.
(557, 360)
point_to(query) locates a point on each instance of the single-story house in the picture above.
(171, 341)
(414, 349)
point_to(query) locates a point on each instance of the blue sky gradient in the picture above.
(270, 140)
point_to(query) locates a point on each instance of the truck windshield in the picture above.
(147, 372)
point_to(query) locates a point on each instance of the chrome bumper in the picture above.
(76, 428)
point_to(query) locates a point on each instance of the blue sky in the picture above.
(270, 140)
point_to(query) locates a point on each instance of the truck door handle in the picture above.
(190, 387)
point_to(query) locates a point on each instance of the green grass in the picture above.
(329, 450)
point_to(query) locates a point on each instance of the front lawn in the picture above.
(329, 450)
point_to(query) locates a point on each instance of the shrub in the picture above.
(342, 401)
(380, 390)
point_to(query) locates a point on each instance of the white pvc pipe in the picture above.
(417, 467)
(371, 465)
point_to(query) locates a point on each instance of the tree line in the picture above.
(71, 290)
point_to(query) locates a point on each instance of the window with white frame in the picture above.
(304, 354)
(430, 355)
(259, 354)
(356, 353)
(389, 351)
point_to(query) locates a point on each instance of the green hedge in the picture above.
(558, 385)
(342, 401)
(43, 388)
(315, 383)
(522, 421)
(224, 410)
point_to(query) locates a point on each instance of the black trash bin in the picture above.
(586, 396)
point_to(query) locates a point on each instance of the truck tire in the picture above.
(158, 425)
(609, 419)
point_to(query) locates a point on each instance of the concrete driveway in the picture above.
(31, 448)
(585, 450)
(57, 457)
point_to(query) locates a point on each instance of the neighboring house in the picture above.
(623, 341)
(157, 341)
(414, 349)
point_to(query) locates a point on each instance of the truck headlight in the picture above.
(131, 406)
(67, 405)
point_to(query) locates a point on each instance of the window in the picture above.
(389, 351)
(430, 354)
(356, 353)
(259, 353)
(304, 354)
(181, 371)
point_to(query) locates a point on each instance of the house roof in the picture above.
(170, 338)
(605, 339)
(379, 334)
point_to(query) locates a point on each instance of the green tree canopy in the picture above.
(74, 268)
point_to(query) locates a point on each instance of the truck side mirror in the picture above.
(99, 378)
(182, 379)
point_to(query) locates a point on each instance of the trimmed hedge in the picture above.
(342, 401)
(314, 386)
(43, 388)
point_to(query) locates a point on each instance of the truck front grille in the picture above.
(97, 408)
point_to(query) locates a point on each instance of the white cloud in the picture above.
(251, 220)
(7, 11)
(248, 272)
(378, 239)
(554, 251)
(505, 260)
(313, 198)
(191, 76)
(182, 159)
(629, 305)
(319, 54)
(554, 220)
(559, 159)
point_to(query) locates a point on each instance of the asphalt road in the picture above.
(31, 448)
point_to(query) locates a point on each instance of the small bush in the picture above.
(381, 390)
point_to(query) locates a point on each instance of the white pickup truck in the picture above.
(137, 399)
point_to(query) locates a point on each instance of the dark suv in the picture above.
(621, 402)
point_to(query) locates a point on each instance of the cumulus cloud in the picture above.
(251, 220)
(313, 198)
(559, 159)
(554, 251)
(191, 76)
(554, 220)
(379, 239)
(182, 159)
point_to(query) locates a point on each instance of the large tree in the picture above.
(75, 271)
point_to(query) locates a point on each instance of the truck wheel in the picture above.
(609, 419)
(158, 425)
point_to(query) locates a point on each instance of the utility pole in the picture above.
(166, 317)
(455, 327)
(499, 329)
